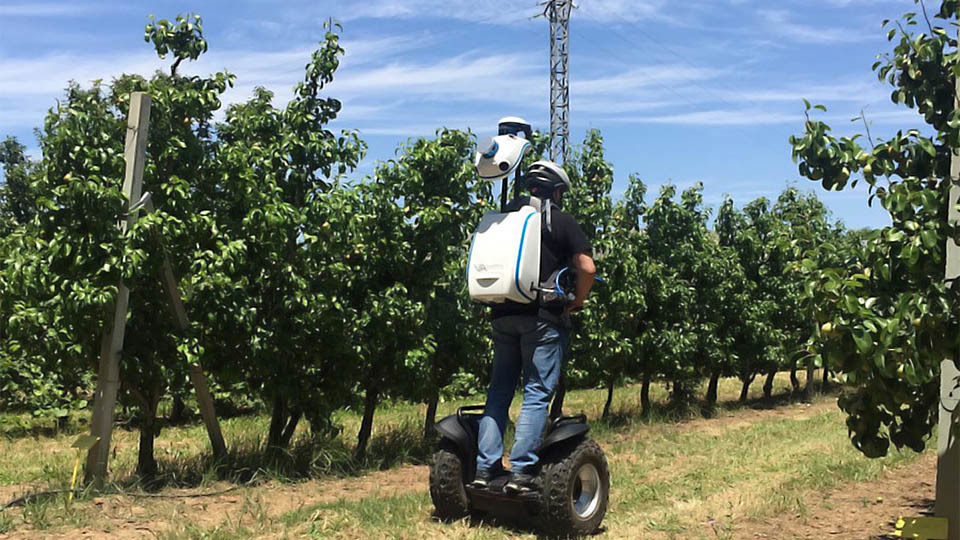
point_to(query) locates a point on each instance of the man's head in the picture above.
(547, 180)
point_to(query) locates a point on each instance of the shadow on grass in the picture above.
(778, 400)
(252, 461)
(660, 413)
(15, 425)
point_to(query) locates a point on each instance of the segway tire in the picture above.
(575, 490)
(446, 484)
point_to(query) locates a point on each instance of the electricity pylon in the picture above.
(558, 13)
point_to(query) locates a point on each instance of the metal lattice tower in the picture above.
(558, 12)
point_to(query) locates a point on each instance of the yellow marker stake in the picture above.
(83, 444)
(76, 469)
(923, 528)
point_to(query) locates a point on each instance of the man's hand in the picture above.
(574, 306)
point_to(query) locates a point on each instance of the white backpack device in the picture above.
(504, 260)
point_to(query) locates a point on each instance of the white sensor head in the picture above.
(514, 125)
(499, 156)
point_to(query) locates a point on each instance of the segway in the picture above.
(572, 480)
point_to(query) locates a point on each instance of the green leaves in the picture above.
(894, 360)
(862, 340)
(183, 38)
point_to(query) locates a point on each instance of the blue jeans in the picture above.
(531, 347)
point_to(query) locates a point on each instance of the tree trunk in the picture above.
(366, 426)
(808, 389)
(146, 464)
(431, 417)
(745, 389)
(826, 379)
(768, 384)
(290, 428)
(677, 393)
(645, 396)
(178, 410)
(712, 388)
(278, 421)
(606, 406)
(794, 381)
(556, 409)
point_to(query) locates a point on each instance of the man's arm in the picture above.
(583, 263)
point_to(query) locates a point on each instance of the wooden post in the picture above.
(108, 377)
(199, 380)
(948, 450)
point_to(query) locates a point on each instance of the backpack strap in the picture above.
(520, 202)
(546, 216)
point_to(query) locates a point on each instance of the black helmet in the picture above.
(547, 175)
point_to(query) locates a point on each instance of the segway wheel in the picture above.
(575, 489)
(446, 484)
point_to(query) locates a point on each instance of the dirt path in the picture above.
(861, 511)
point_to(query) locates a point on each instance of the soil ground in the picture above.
(851, 511)
(861, 511)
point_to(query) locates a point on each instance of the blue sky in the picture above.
(699, 90)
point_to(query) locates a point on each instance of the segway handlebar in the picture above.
(467, 408)
(575, 418)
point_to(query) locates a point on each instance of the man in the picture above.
(530, 340)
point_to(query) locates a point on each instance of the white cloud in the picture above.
(757, 117)
(846, 3)
(48, 75)
(425, 128)
(506, 11)
(642, 77)
(44, 9)
(781, 23)
(716, 117)
(476, 11)
(31, 85)
(468, 76)
(622, 11)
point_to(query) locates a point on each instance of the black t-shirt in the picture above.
(556, 250)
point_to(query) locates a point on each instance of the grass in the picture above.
(672, 479)
(668, 481)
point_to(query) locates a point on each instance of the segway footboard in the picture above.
(495, 501)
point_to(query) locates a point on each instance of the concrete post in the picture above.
(108, 376)
(948, 451)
